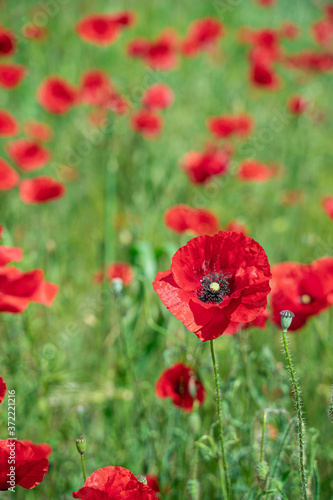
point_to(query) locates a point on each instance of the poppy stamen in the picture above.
(213, 288)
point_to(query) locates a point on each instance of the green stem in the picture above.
(263, 437)
(219, 412)
(298, 404)
(83, 468)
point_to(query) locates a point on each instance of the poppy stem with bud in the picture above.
(219, 412)
(81, 448)
(286, 319)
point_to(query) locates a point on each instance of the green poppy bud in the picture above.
(286, 319)
(81, 444)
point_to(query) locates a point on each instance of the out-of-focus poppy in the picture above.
(33, 32)
(327, 203)
(203, 35)
(158, 96)
(38, 131)
(252, 170)
(103, 29)
(160, 54)
(202, 167)
(28, 155)
(181, 384)
(297, 104)
(147, 123)
(3, 388)
(9, 254)
(95, 88)
(321, 62)
(228, 125)
(56, 95)
(116, 271)
(11, 75)
(7, 43)
(41, 190)
(9, 178)
(182, 218)
(8, 124)
(237, 227)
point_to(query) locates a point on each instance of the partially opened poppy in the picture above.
(8, 124)
(9, 254)
(3, 388)
(18, 289)
(147, 123)
(39, 131)
(28, 155)
(110, 483)
(182, 218)
(11, 75)
(7, 43)
(158, 96)
(116, 271)
(228, 125)
(214, 280)
(306, 290)
(252, 170)
(41, 190)
(9, 178)
(202, 167)
(327, 204)
(203, 35)
(30, 465)
(56, 95)
(181, 384)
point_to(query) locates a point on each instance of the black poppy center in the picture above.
(214, 287)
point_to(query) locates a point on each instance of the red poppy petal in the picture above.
(9, 178)
(41, 190)
(3, 389)
(10, 254)
(28, 155)
(11, 75)
(8, 124)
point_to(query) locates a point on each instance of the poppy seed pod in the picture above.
(81, 444)
(286, 319)
(142, 479)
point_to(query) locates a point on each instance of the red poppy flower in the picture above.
(214, 280)
(262, 73)
(3, 389)
(158, 96)
(147, 123)
(18, 289)
(233, 328)
(11, 75)
(56, 95)
(117, 103)
(327, 204)
(117, 270)
(181, 384)
(252, 170)
(182, 218)
(28, 155)
(266, 3)
(203, 35)
(311, 61)
(138, 48)
(95, 88)
(297, 105)
(289, 30)
(30, 467)
(226, 126)
(322, 32)
(202, 167)
(43, 450)
(306, 290)
(41, 190)
(38, 131)
(7, 43)
(9, 254)
(237, 227)
(33, 32)
(160, 54)
(8, 124)
(103, 29)
(153, 482)
(110, 483)
(259, 322)
(9, 178)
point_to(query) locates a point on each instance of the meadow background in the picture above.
(68, 364)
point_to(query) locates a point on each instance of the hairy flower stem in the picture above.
(83, 468)
(263, 437)
(298, 404)
(219, 412)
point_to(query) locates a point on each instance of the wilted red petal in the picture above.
(41, 189)
(9, 178)
(56, 95)
(28, 155)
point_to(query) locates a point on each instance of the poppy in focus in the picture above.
(180, 383)
(214, 280)
(114, 482)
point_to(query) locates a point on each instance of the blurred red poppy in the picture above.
(103, 29)
(182, 218)
(259, 322)
(38, 131)
(117, 270)
(327, 203)
(41, 190)
(9, 178)
(265, 42)
(202, 167)
(181, 384)
(297, 104)
(153, 482)
(33, 32)
(3, 389)
(147, 123)
(228, 125)
(237, 227)
(306, 290)
(110, 482)
(30, 465)
(252, 170)
(28, 155)
(203, 35)
(56, 95)
(158, 96)
(95, 88)
(308, 60)
(289, 30)
(266, 3)
(160, 54)
(8, 124)
(322, 31)
(292, 197)
(262, 73)
(9, 254)
(18, 289)
(214, 280)
(7, 43)
(11, 75)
